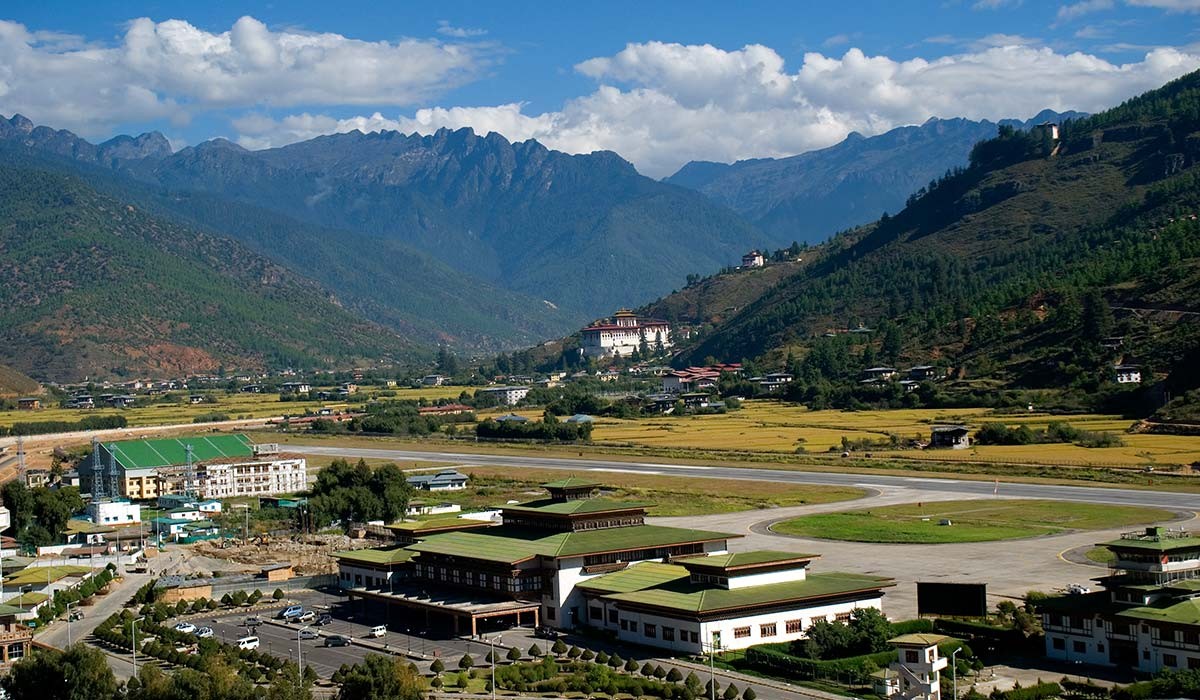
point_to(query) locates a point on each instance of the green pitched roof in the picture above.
(571, 482)
(739, 560)
(581, 506)
(1156, 544)
(395, 555)
(148, 454)
(40, 574)
(433, 524)
(925, 640)
(690, 597)
(1191, 585)
(1186, 612)
(10, 610)
(636, 577)
(28, 600)
(511, 544)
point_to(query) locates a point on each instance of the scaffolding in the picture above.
(97, 472)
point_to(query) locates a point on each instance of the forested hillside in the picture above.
(1037, 266)
(90, 285)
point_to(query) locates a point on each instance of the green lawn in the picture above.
(1101, 555)
(971, 521)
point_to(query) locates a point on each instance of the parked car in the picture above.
(337, 640)
(291, 612)
(75, 615)
(546, 632)
(247, 643)
(306, 617)
(185, 627)
(204, 632)
(377, 631)
(253, 621)
(306, 633)
(323, 620)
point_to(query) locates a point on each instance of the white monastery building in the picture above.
(622, 334)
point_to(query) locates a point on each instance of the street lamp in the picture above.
(299, 657)
(492, 645)
(133, 635)
(21, 596)
(954, 671)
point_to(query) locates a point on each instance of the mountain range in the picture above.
(454, 239)
(810, 196)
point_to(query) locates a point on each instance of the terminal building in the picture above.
(1147, 617)
(207, 466)
(573, 559)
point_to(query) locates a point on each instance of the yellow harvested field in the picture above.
(233, 405)
(773, 427)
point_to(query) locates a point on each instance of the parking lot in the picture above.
(280, 639)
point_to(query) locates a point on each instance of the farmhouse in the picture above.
(922, 373)
(574, 559)
(753, 259)
(295, 388)
(689, 380)
(433, 380)
(1148, 615)
(221, 466)
(29, 403)
(1127, 374)
(955, 437)
(879, 374)
(505, 395)
(773, 381)
(622, 334)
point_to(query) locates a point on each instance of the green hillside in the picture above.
(14, 383)
(1014, 272)
(91, 286)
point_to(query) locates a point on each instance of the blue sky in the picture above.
(660, 83)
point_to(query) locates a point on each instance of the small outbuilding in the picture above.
(954, 437)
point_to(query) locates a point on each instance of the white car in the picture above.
(185, 627)
(204, 632)
(308, 634)
(306, 617)
(377, 631)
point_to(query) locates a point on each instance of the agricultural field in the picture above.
(969, 521)
(666, 495)
(233, 405)
(768, 426)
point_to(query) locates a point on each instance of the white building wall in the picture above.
(260, 478)
(115, 513)
(809, 615)
(362, 576)
(784, 576)
(634, 630)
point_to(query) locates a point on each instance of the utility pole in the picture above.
(69, 623)
(299, 652)
(21, 458)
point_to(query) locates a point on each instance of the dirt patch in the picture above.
(310, 555)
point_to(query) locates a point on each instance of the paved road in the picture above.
(1090, 494)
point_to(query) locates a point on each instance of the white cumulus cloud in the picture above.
(172, 69)
(661, 105)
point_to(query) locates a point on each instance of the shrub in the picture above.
(647, 668)
(437, 667)
(514, 654)
(535, 651)
(466, 662)
(675, 676)
(278, 594)
(587, 655)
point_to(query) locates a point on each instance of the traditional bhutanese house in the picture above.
(732, 601)
(955, 437)
(526, 569)
(16, 639)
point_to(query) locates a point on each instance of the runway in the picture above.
(965, 488)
